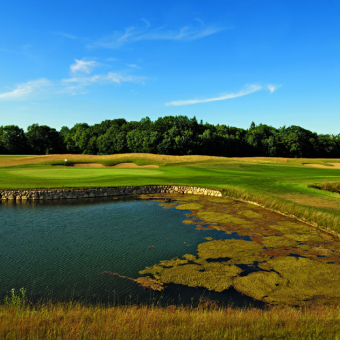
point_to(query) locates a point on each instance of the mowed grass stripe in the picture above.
(67, 172)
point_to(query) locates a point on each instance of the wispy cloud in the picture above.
(109, 77)
(273, 88)
(248, 90)
(25, 90)
(83, 66)
(134, 66)
(77, 85)
(146, 22)
(69, 36)
(200, 21)
(135, 34)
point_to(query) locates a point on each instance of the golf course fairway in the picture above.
(283, 185)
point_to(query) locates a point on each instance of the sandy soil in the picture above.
(120, 165)
(335, 166)
(88, 165)
(133, 165)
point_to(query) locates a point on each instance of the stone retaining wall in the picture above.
(56, 194)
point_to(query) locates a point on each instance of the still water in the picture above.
(59, 251)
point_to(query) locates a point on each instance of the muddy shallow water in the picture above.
(182, 246)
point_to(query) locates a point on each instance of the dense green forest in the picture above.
(169, 135)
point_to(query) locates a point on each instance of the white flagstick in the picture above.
(65, 164)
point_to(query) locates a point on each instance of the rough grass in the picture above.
(143, 158)
(329, 186)
(76, 321)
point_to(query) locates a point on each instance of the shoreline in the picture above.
(56, 194)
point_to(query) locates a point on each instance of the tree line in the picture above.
(169, 135)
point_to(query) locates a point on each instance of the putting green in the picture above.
(82, 173)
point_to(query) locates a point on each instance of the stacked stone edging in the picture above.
(56, 194)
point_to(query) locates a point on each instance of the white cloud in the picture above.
(76, 85)
(146, 22)
(135, 34)
(248, 90)
(83, 66)
(66, 35)
(25, 89)
(133, 66)
(200, 21)
(273, 88)
(109, 77)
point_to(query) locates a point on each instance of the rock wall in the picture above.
(56, 194)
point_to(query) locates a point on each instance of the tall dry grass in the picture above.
(76, 321)
(329, 186)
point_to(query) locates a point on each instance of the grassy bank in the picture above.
(76, 321)
(281, 184)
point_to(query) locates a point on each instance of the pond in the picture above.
(183, 247)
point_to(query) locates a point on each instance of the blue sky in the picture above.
(228, 62)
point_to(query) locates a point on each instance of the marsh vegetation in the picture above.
(284, 261)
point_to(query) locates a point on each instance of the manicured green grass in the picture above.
(280, 185)
(60, 173)
(16, 156)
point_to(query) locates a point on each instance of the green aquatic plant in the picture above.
(189, 221)
(167, 205)
(278, 241)
(189, 206)
(264, 266)
(285, 252)
(211, 216)
(322, 251)
(213, 276)
(290, 227)
(236, 249)
(250, 214)
(259, 284)
(296, 281)
(307, 279)
(312, 236)
(148, 283)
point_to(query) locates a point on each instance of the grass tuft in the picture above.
(329, 186)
